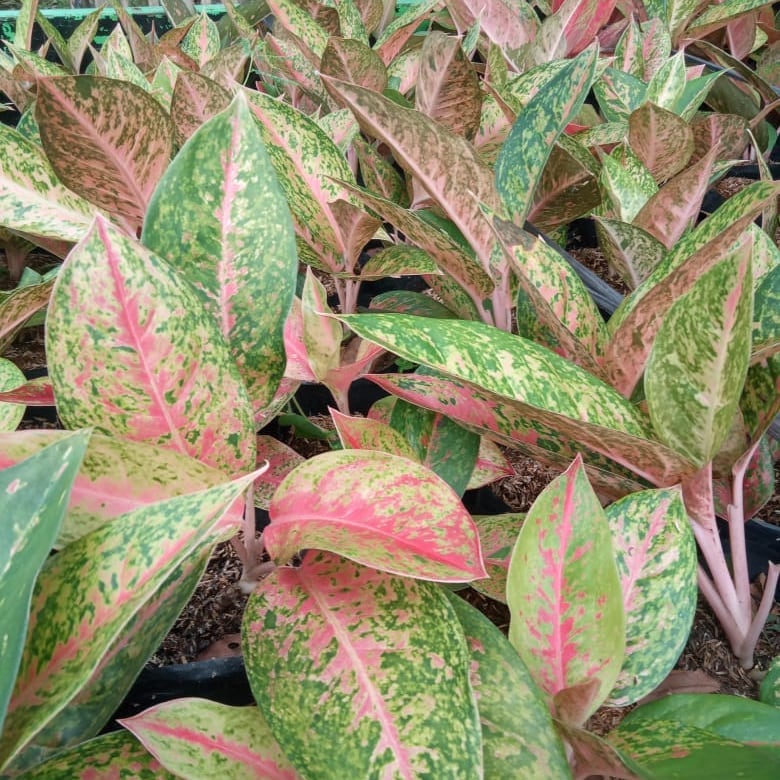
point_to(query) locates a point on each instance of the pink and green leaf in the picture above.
(201, 738)
(114, 164)
(309, 35)
(97, 603)
(353, 61)
(11, 378)
(519, 739)
(281, 461)
(195, 100)
(523, 156)
(510, 24)
(379, 509)
(18, 305)
(220, 218)
(497, 536)
(34, 392)
(699, 361)
(361, 653)
(563, 591)
(766, 317)
(491, 465)
(630, 250)
(133, 352)
(655, 554)
(34, 493)
(662, 140)
(363, 433)
(201, 43)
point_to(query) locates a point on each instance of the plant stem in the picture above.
(762, 613)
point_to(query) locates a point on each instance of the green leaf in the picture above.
(220, 217)
(766, 317)
(115, 165)
(770, 685)
(109, 586)
(519, 739)
(32, 199)
(309, 35)
(362, 654)
(25, 20)
(196, 738)
(668, 82)
(82, 36)
(117, 754)
(133, 352)
(656, 559)
(698, 363)
(563, 591)
(10, 378)
(497, 537)
(33, 497)
(627, 183)
(523, 156)
(379, 509)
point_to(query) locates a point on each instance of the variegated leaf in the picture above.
(107, 586)
(667, 83)
(715, 17)
(627, 183)
(195, 100)
(201, 43)
(447, 165)
(563, 590)
(698, 363)
(758, 486)
(197, 738)
(10, 378)
(522, 157)
(656, 559)
(398, 260)
(675, 207)
(33, 497)
(545, 436)
(394, 37)
(32, 198)
(281, 460)
(447, 88)
(379, 509)
(311, 37)
(618, 94)
(220, 217)
(634, 326)
(133, 352)
(322, 335)
(353, 61)
(341, 127)
(491, 465)
(34, 392)
(507, 23)
(362, 654)
(766, 317)
(379, 174)
(114, 756)
(117, 476)
(407, 302)
(573, 26)
(113, 158)
(362, 433)
(631, 251)
(82, 36)
(17, 306)
(662, 140)
(497, 535)
(519, 739)
(445, 447)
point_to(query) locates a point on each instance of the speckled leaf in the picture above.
(361, 433)
(220, 217)
(554, 307)
(770, 686)
(366, 659)
(379, 174)
(634, 327)
(133, 352)
(501, 363)
(92, 597)
(698, 363)
(675, 207)
(662, 140)
(82, 36)
(56, 41)
(542, 435)
(447, 87)
(378, 509)
(631, 251)
(34, 392)
(758, 486)
(519, 739)
(114, 66)
(508, 23)
(447, 165)
(195, 100)
(201, 43)
(401, 29)
(114, 756)
(293, 73)
(164, 82)
(563, 591)
(117, 476)
(281, 461)
(341, 127)
(353, 61)
(445, 251)
(33, 497)
(17, 306)
(111, 157)
(11, 377)
(592, 754)
(25, 19)
(309, 167)
(197, 738)
(618, 94)
(309, 35)
(666, 748)
(397, 260)
(627, 184)
(408, 302)
(497, 535)
(445, 447)
(491, 465)
(572, 27)
(760, 401)
(715, 17)
(523, 156)
(357, 228)
(766, 317)
(656, 559)
(322, 335)
(32, 198)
